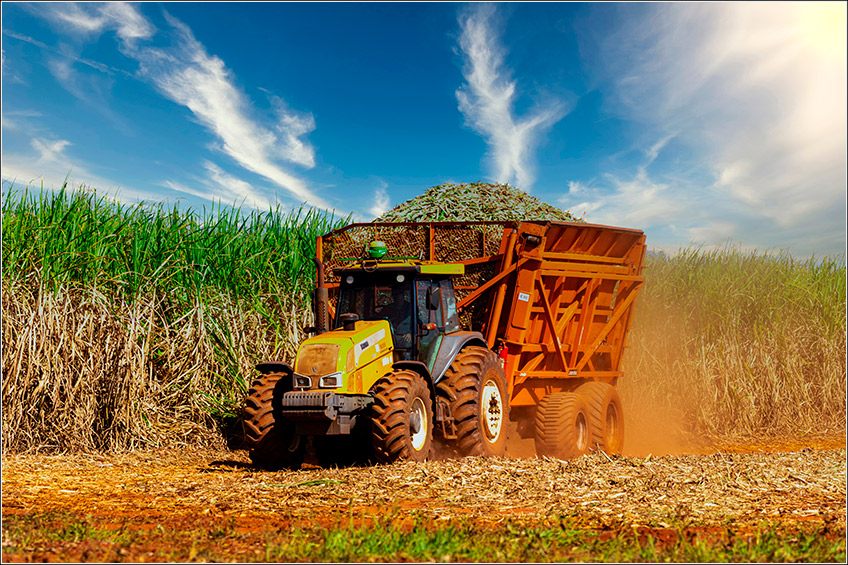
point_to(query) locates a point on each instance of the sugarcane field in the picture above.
(473, 376)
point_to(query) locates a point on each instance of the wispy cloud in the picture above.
(488, 96)
(95, 18)
(757, 93)
(381, 200)
(50, 162)
(218, 185)
(50, 150)
(185, 73)
(639, 201)
(189, 76)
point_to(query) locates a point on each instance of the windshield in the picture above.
(380, 299)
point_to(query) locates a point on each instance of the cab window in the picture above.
(449, 306)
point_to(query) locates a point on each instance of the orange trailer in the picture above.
(554, 300)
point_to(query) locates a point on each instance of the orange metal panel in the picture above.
(481, 289)
(549, 318)
(565, 290)
(494, 320)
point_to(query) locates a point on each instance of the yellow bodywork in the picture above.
(361, 356)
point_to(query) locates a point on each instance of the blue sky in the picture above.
(700, 123)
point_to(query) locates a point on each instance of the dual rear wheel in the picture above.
(569, 424)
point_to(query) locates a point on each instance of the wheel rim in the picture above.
(612, 426)
(491, 405)
(582, 430)
(418, 414)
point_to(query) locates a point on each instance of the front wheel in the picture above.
(475, 389)
(402, 418)
(271, 439)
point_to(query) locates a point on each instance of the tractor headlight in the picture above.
(302, 381)
(333, 380)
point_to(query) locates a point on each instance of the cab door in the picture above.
(427, 295)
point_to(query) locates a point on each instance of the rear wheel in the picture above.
(270, 438)
(606, 418)
(561, 424)
(401, 418)
(475, 389)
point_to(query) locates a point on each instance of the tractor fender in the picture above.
(274, 367)
(421, 369)
(450, 347)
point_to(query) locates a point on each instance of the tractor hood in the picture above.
(329, 360)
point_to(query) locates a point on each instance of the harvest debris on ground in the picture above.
(805, 487)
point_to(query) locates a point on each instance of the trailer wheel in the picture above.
(606, 417)
(271, 439)
(562, 429)
(475, 388)
(402, 418)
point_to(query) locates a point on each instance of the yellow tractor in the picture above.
(395, 364)
(471, 325)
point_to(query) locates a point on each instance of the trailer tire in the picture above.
(606, 417)
(270, 438)
(402, 417)
(474, 387)
(561, 426)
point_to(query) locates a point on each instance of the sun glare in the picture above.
(822, 27)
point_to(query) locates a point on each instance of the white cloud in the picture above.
(130, 24)
(638, 201)
(487, 98)
(291, 127)
(714, 233)
(186, 74)
(227, 184)
(50, 150)
(655, 149)
(94, 18)
(50, 165)
(757, 92)
(189, 76)
(576, 188)
(381, 200)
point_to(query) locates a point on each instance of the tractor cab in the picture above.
(415, 297)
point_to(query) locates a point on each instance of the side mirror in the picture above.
(433, 298)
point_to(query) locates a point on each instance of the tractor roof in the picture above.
(404, 265)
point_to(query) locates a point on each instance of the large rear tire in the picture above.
(401, 418)
(562, 429)
(475, 389)
(270, 438)
(606, 417)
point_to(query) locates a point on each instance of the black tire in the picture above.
(606, 417)
(270, 438)
(562, 426)
(401, 418)
(474, 387)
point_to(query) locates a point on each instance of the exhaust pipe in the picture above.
(321, 302)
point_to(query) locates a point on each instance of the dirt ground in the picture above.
(799, 483)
